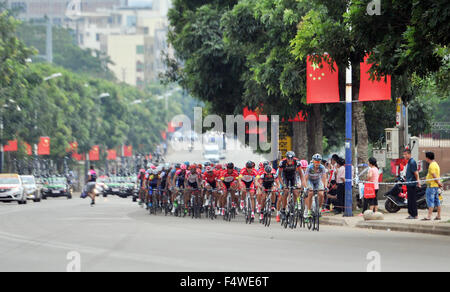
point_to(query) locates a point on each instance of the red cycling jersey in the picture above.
(229, 177)
(247, 176)
(211, 177)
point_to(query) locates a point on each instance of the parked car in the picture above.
(31, 189)
(12, 189)
(56, 187)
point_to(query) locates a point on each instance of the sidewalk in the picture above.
(398, 221)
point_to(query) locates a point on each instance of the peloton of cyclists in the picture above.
(215, 182)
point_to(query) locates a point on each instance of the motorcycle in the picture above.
(397, 197)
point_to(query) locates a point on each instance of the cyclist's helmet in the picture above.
(268, 169)
(303, 164)
(266, 163)
(230, 165)
(177, 166)
(261, 165)
(290, 155)
(193, 167)
(207, 163)
(186, 163)
(141, 170)
(219, 166)
(209, 169)
(183, 167)
(249, 164)
(317, 157)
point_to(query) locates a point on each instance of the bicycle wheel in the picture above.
(317, 214)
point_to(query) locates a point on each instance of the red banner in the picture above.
(11, 146)
(94, 153)
(44, 146)
(164, 135)
(322, 84)
(28, 149)
(373, 90)
(73, 146)
(127, 151)
(250, 115)
(78, 157)
(112, 155)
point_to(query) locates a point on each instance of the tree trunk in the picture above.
(363, 136)
(315, 132)
(300, 139)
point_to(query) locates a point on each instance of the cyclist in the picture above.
(178, 182)
(192, 182)
(152, 186)
(247, 178)
(316, 178)
(268, 181)
(291, 177)
(228, 181)
(210, 178)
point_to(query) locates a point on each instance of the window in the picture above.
(131, 21)
(140, 50)
(19, 6)
(97, 37)
(139, 66)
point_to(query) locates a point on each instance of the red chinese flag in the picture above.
(94, 153)
(300, 117)
(112, 155)
(44, 146)
(11, 146)
(72, 147)
(127, 150)
(322, 84)
(78, 157)
(28, 149)
(373, 90)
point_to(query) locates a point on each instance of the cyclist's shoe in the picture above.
(92, 203)
(253, 215)
(261, 217)
(309, 214)
(242, 205)
(217, 212)
(223, 212)
(278, 218)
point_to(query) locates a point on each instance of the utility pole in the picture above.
(348, 142)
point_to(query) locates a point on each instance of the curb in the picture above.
(333, 221)
(404, 227)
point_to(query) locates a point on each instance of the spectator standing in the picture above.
(434, 183)
(373, 176)
(340, 180)
(412, 182)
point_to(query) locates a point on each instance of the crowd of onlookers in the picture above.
(336, 194)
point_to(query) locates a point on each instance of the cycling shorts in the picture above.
(315, 185)
(193, 185)
(213, 184)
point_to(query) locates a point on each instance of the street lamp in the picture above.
(1, 131)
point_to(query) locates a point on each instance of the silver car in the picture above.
(31, 189)
(11, 189)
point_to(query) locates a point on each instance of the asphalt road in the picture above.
(117, 235)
